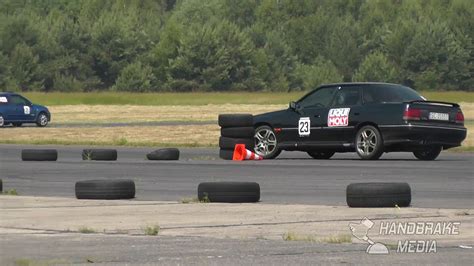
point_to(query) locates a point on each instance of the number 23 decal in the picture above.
(304, 126)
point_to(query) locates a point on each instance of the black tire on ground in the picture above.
(321, 155)
(235, 120)
(99, 154)
(378, 195)
(39, 155)
(226, 154)
(429, 154)
(238, 132)
(1, 186)
(229, 143)
(164, 154)
(233, 192)
(105, 189)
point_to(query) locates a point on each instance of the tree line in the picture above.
(233, 45)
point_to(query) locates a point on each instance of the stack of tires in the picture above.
(235, 129)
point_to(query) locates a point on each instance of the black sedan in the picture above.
(368, 118)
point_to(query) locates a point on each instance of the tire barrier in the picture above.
(235, 129)
(105, 189)
(99, 155)
(230, 192)
(164, 154)
(39, 155)
(378, 195)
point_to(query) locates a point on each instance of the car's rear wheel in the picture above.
(428, 154)
(2, 121)
(266, 144)
(369, 143)
(321, 155)
(42, 120)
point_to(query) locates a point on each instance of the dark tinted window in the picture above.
(319, 98)
(15, 99)
(389, 94)
(347, 96)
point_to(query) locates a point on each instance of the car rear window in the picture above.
(389, 94)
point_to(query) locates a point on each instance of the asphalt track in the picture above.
(293, 178)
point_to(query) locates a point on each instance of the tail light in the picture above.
(459, 117)
(412, 114)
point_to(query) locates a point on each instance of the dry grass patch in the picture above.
(335, 239)
(136, 113)
(202, 135)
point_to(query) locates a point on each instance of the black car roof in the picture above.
(356, 83)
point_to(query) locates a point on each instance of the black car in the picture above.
(368, 118)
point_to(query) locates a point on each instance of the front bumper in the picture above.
(419, 135)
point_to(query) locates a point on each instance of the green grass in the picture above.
(152, 230)
(336, 239)
(86, 230)
(10, 192)
(122, 98)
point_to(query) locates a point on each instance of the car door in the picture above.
(7, 108)
(22, 108)
(343, 115)
(313, 109)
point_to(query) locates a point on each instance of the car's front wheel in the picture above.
(321, 155)
(369, 143)
(266, 144)
(2, 121)
(428, 154)
(42, 120)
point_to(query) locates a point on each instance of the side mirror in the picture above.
(292, 105)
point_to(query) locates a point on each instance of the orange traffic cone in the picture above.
(241, 153)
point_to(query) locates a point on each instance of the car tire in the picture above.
(271, 142)
(99, 155)
(235, 120)
(429, 154)
(321, 155)
(39, 155)
(17, 124)
(226, 154)
(2, 121)
(231, 192)
(1, 186)
(378, 195)
(369, 143)
(42, 120)
(238, 132)
(229, 143)
(105, 189)
(164, 154)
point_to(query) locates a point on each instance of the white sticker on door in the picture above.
(304, 126)
(3, 100)
(338, 117)
(27, 110)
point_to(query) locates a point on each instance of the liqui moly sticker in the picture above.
(338, 117)
(3, 100)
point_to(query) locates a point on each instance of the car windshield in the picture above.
(386, 93)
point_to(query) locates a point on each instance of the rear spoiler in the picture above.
(434, 103)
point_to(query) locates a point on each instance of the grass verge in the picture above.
(336, 239)
(86, 230)
(10, 192)
(151, 230)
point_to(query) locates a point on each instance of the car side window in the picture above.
(319, 98)
(15, 99)
(389, 94)
(348, 96)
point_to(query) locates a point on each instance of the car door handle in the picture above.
(318, 116)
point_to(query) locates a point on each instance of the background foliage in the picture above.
(228, 45)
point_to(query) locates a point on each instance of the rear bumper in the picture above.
(414, 136)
